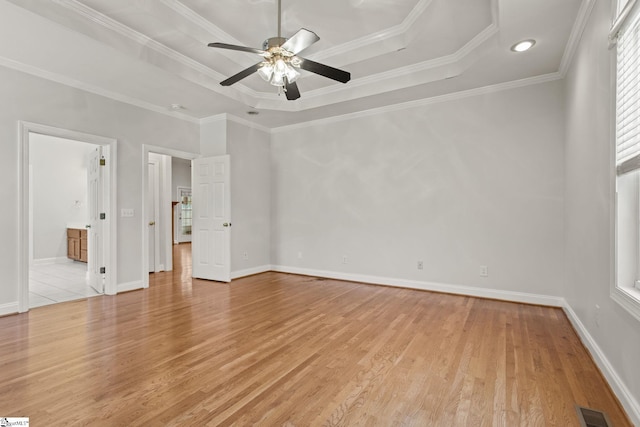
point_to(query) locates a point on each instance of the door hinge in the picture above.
(103, 270)
(103, 161)
(103, 215)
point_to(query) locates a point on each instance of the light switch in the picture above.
(126, 213)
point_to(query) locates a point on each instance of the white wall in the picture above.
(59, 185)
(250, 198)
(589, 195)
(37, 100)
(457, 184)
(180, 176)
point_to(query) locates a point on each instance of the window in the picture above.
(626, 32)
(184, 215)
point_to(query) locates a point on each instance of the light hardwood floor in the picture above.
(277, 349)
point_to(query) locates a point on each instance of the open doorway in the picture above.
(66, 225)
(59, 219)
(166, 211)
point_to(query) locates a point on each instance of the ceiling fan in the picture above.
(281, 63)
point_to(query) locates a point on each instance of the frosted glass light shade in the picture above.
(275, 72)
(266, 71)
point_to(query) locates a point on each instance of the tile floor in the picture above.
(53, 283)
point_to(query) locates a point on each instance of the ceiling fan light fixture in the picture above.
(280, 64)
(291, 73)
(523, 45)
(275, 70)
(266, 71)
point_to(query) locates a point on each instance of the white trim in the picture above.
(629, 403)
(378, 37)
(449, 65)
(110, 226)
(130, 286)
(619, 22)
(250, 271)
(474, 291)
(545, 78)
(216, 32)
(628, 299)
(247, 123)
(576, 35)
(9, 308)
(142, 40)
(214, 119)
(146, 149)
(227, 117)
(77, 84)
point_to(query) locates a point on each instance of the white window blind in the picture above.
(628, 96)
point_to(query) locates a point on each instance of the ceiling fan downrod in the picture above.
(279, 18)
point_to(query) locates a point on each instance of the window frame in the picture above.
(627, 295)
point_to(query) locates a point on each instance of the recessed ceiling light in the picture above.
(176, 107)
(524, 45)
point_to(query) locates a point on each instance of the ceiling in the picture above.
(153, 53)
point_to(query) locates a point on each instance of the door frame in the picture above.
(110, 226)
(146, 149)
(157, 198)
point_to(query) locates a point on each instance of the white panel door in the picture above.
(95, 254)
(211, 219)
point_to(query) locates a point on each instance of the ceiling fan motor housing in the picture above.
(273, 42)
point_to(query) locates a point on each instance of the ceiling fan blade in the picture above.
(241, 75)
(325, 70)
(300, 41)
(291, 90)
(235, 47)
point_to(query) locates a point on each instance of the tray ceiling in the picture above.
(155, 54)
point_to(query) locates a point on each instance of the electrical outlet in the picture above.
(484, 271)
(245, 255)
(300, 255)
(420, 265)
(344, 259)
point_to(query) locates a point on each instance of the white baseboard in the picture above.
(250, 271)
(130, 286)
(9, 308)
(621, 391)
(49, 261)
(498, 294)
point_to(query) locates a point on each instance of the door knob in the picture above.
(87, 226)
(226, 224)
(152, 223)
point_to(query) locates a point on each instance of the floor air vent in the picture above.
(591, 418)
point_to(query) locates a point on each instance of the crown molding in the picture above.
(377, 37)
(247, 123)
(586, 7)
(226, 117)
(193, 17)
(147, 42)
(76, 84)
(214, 119)
(442, 61)
(545, 78)
(421, 73)
(366, 86)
